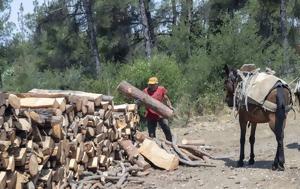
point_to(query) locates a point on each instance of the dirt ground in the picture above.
(222, 132)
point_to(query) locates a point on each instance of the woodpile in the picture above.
(50, 137)
(73, 139)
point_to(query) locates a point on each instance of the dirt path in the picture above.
(223, 133)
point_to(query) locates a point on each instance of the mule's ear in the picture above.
(226, 69)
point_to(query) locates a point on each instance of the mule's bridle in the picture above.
(233, 80)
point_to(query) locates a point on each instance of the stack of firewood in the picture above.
(73, 139)
(48, 138)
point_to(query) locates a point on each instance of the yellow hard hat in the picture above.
(152, 80)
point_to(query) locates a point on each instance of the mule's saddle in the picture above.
(255, 86)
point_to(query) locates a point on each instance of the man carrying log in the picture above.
(159, 93)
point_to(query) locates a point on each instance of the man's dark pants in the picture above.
(164, 124)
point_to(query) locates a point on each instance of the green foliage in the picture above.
(105, 84)
(163, 67)
(188, 61)
(24, 75)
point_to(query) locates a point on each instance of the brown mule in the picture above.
(256, 114)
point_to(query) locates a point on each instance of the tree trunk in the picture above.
(284, 34)
(189, 4)
(154, 104)
(186, 18)
(146, 28)
(87, 4)
(151, 24)
(174, 12)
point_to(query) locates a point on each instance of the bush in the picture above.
(105, 84)
(21, 76)
(164, 67)
(24, 76)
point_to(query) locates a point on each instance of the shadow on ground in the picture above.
(258, 164)
(294, 145)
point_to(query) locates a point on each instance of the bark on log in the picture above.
(131, 150)
(154, 104)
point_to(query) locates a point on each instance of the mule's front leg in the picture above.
(243, 127)
(252, 141)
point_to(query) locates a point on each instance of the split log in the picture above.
(62, 103)
(132, 107)
(93, 163)
(91, 96)
(79, 153)
(154, 104)
(90, 108)
(104, 105)
(102, 160)
(121, 108)
(58, 174)
(21, 180)
(48, 145)
(11, 164)
(11, 180)
(76, 101)
(3, 97)
(57, 131)
(1, 121)
(33, 102)
(4, 145)
(159, 157)
(3, 179)
(14, 101)
(17, 142)
(21, 157)
(2, 110)
(23, 124)
(38, 95)
(37, 117)
(33, 165)
(121, 123)
(46, 177)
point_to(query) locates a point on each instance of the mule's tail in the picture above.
(279, 127)
(280, 111)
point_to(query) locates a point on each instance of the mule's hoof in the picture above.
(274, 166)
(251, 161)
(280, 167)
(240, 164)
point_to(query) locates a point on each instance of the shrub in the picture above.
(164, 67)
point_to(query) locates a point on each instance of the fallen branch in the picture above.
(177, 150)
(122, 180)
